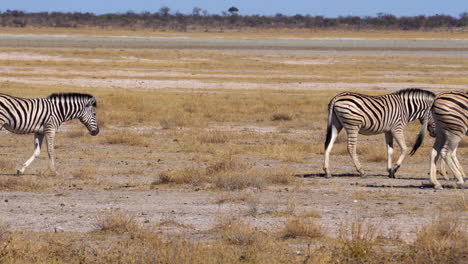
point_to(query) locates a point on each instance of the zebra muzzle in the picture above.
(94, 132)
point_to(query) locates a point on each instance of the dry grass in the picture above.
(226, 173)
(444, 240)
(24, 183)
(213, 137)
(299, 227)
(118, 222)
(357, 243)
(281, 117)
(240, 234)
(85, 172)
(122, 239)
(127, 137)
(7, 166)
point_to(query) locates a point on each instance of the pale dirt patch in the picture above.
(197, 84)
(26, 56)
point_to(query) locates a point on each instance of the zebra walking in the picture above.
(450, 114)
(371, 115)
(43, 116)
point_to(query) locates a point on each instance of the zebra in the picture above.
(450, 114)
(43, 116)
(371, 115)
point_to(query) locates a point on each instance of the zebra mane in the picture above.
(412, 91)
(72, 95)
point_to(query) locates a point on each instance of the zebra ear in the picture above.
(92, 102)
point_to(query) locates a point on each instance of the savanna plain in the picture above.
(212, 152)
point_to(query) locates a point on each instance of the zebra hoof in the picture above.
(19, 172)
(460, 185)
(328, 176)
(438, 187)
(391, 174)
(363, 176)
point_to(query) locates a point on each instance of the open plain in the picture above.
(213, 144)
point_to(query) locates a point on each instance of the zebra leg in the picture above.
(335, 130)
(435, 154)
(389, 141)
(400, 139)
(50, 135)
(451, 145)
(460, 168)
(443, 169)
(38, 137)
(352, 140)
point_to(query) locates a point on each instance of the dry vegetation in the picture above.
(119, 238)
(250, 125)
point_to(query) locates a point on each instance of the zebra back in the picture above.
(450, 112)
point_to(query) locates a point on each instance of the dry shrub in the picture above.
(290, 151)
(312, 213)
(118, 222)
(246, 195)
(4, 234)
(356, 243)
(7, 166)
(283, 175)
(459, 205)
(85, 172)
(192, 176)
(174, 122)
(281, 117)
(443, 240)
(298, 227)
(23, 183)
(240, 234)
(225, 163)
(229, 173)
(213, 137)
(238, 180)
(127, 137)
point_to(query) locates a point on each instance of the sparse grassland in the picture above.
(209, 156)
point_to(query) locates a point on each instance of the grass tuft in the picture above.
(118, 222)
(299, 227)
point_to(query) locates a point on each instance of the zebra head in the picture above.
(88, 116)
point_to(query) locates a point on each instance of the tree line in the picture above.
(200, 19)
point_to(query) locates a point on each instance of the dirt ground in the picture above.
(124, 175)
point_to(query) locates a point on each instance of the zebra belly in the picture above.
(22, 131)
(369, 131)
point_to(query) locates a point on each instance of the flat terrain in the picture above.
(195, 130)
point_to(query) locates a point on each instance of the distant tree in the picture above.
(164, 11)
(233, 10)
(464, 19)
(196, 11)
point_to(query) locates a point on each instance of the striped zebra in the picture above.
(43, 116)
(450, 114)
(371, 115)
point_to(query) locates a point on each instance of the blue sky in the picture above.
(328, 8)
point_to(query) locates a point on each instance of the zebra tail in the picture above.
(329, 125)
(420, 138)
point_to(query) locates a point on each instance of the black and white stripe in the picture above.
(43, 116)
(450, 114)
(371, 115)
